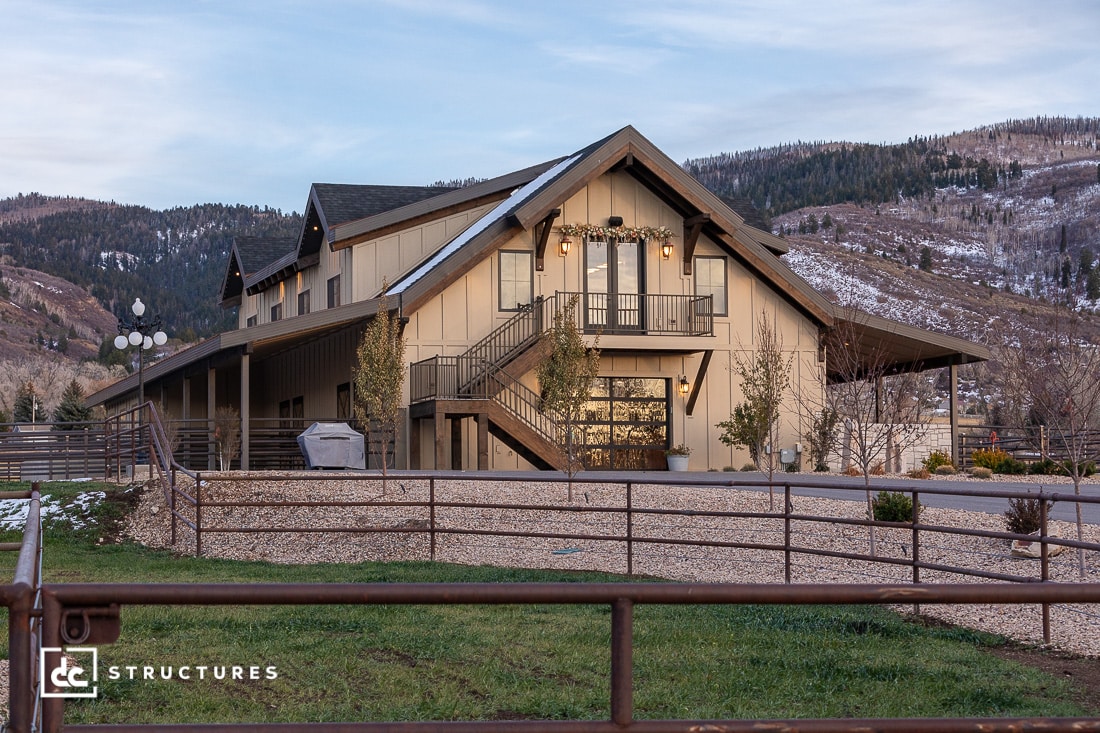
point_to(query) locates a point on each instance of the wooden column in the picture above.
(211, 408)
(439, 421)
(414, 444)
(953, 402)
(246, 413)
(456, 443)
(482, 441)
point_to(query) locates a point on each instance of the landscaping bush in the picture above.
(981, 472)
(919, 473)
(750, 466)
(1088, 468)
(945, 470)
(936, 459)
(893, 506)
(1025, 514)
(997, 461)
(1046, 467)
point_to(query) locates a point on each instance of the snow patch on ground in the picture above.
(13, 512)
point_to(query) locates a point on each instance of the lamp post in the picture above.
(143, 334)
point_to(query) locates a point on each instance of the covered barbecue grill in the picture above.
(332, 445)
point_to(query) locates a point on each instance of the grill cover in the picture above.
(331, 445)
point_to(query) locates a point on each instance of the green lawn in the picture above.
(552, 661)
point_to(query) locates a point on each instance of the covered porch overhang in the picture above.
(222, 366)
(866, 346)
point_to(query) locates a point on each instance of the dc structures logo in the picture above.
(75, 673)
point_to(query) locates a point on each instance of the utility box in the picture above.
(332, 445)
(787, 455)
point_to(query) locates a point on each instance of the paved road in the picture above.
(832, 486)
(845, 487)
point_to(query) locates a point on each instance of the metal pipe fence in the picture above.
(83, 613)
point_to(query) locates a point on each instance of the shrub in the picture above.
(1088, 468)
(1046, 467)
(750, 466)
(919, 473)
(936, 459)
(945, 471)
(997, 461)
(893, 506)
(981, 472)
(1025, 514)
(728, 468)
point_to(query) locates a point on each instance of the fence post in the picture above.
(431, 516)
(198, 514)
(622, 661)
(1044, 562)
(916, 545)
(787, 532)
(629, 528)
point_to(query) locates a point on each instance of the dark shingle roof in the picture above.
(257, 252)
(341, 203)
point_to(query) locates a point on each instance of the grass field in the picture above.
(504, 662)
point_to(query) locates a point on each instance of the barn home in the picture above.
(665, 274)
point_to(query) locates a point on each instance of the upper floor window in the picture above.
(277, 312)
(334, 291)
(517, 279)
(303, 302)
(250, 322)
(710, 279)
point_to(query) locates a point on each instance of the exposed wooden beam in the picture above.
(693, 227)
(542, 236)
(700, 375)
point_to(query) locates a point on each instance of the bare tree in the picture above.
(880, 411)
(565, 378)
(1051, 376)
(227, 435)
(765, 376)
(379, 376)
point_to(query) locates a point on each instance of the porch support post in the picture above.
(414, 444)
(439, 420)
(246, 413)
(482, 419)
(456, 443)
(211, 408)
(953, 403)
(185, 408)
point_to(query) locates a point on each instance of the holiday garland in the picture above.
(622, 233)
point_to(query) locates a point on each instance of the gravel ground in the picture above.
(1075, 628)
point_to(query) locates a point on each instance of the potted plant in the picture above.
(678, 457)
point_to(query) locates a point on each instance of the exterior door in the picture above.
(613, 286)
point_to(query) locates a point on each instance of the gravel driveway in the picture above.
(1075, 628)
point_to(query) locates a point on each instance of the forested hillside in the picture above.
(174, 260)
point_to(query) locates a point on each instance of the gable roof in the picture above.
(248, 257)
(536, 203)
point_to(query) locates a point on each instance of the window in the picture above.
(516, 279)
(710, 279)
(334, 291)
(277, 312)
(303, 302)
(250, 322)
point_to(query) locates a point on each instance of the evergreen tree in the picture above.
(28, 405)
(71, 410)
(926, 259)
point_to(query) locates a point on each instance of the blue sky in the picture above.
(170, 103)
